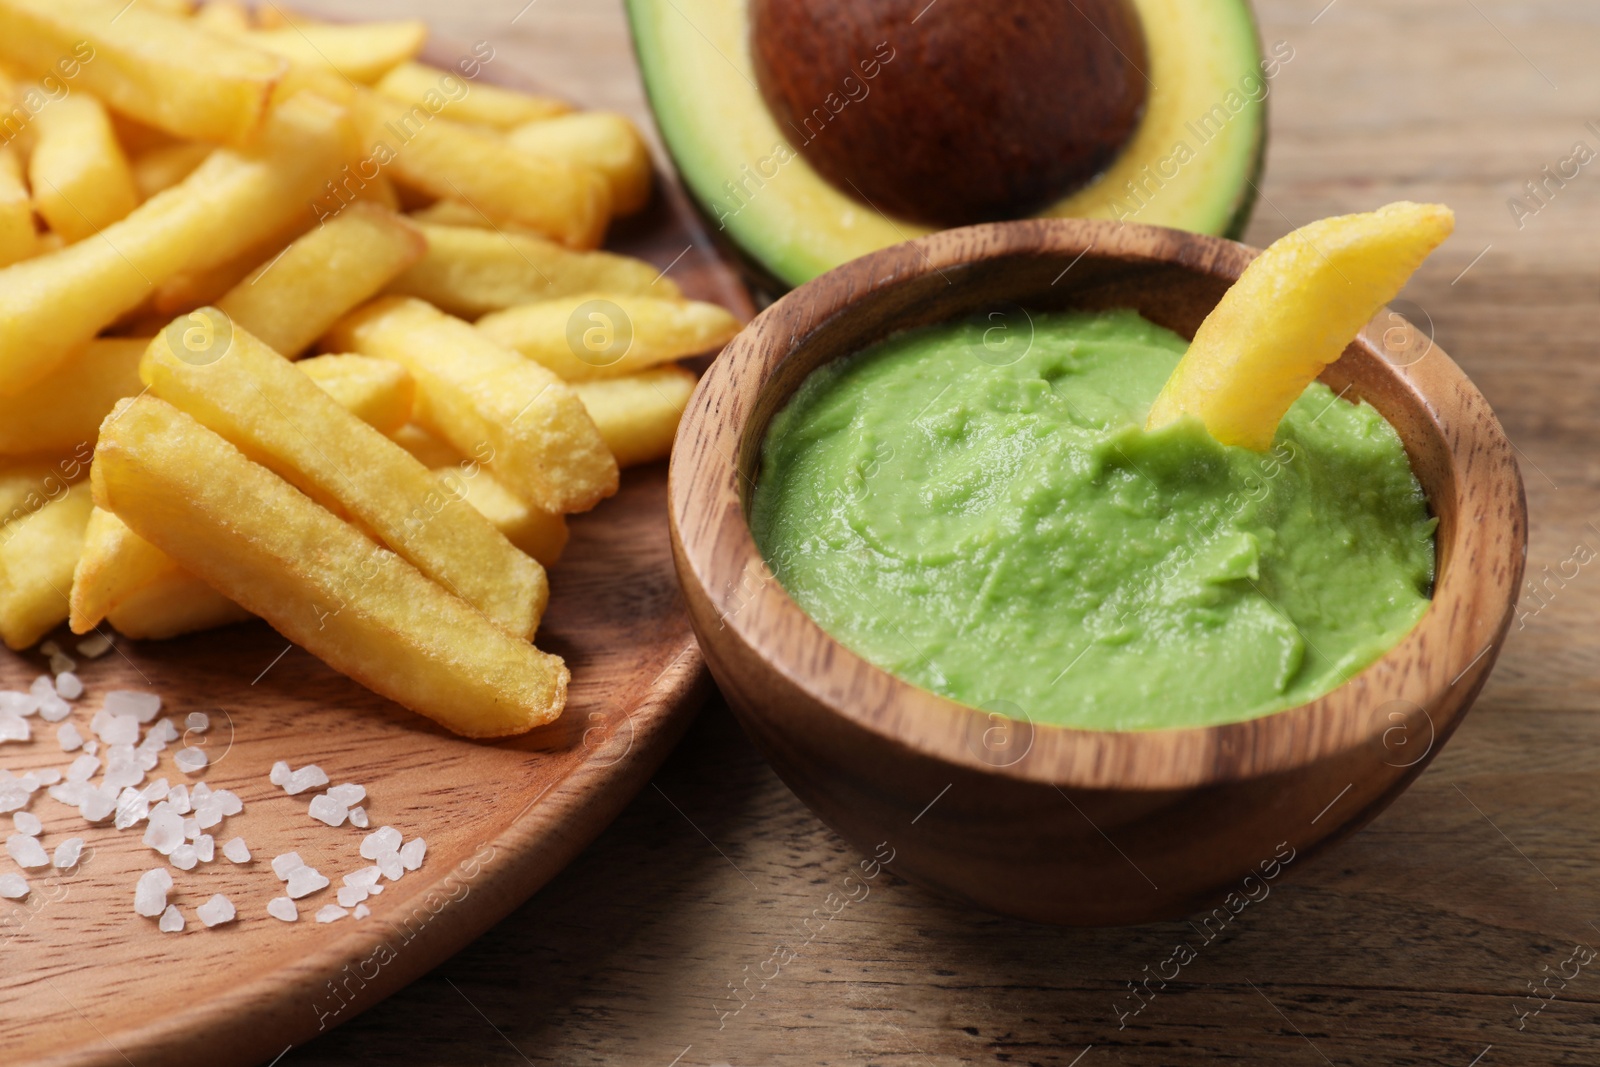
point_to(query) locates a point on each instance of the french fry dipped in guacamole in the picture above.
(1290, 314)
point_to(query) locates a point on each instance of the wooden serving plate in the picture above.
(86, 981)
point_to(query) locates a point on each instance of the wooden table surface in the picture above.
(1415, 942)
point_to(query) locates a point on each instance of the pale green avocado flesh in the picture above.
(1192, 163)
(985, 516)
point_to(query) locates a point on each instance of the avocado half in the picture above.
(1192, 163)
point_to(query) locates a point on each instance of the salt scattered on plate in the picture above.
(150, 895)
(351, 895)
(13, 886)
(287, 864)
(362, 911)
(205, 847)
(237, 851)
(283, 908)
(383, 839)
(68, 737)
(26, 851)
(67, 854)
(330, 913)
(171, 920)
(131, 702)
(358, 818)
(216, 911)
(191, 760)
(308, 777)
(165, 831)
(303, 881)
(325, 809)
(412, 852)
(68, 685)
(184, 857)
(27, 823)
(14, 728)
(347, 794)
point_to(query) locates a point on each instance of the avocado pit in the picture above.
(955, 112)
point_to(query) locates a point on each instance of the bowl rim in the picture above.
(1454, 644)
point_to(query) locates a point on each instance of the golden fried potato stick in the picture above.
(80, 178)
(63, 410)
(163, 167)
(236, 386)
(446, 92)
(473, 393)
(638, 415)
(362, 52)
(378, 392)
(53, 304)
(292, 299)
(19, 239)
(418, 149)
(358, 607)
(132, 584)
(610, 335)
(37, 555)
(29, 483)
(470, 271)
(164, 71)
(600, 140)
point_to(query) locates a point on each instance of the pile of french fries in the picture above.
(295, 326)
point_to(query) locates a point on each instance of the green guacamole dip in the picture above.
(992, 522)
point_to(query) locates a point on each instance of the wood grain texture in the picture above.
(86, 981)
(1209, 808)
(1408, 945)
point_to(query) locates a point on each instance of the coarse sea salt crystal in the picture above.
(42, 686)
(150, 895)
(165, 831)
(26, 851)
(231, 804)
(366, 877)
(283, 908)
(14, 728)
(208, 814)
(68, 737)
(142, 706)
(205, 847)
(348, 795)
(67, 854)
(358, 818)
(303, 881)
(133, 807)
(308, 777)
(286, 864)
(94, 646)
(69, 686)
(237, 851)
(53, 709)
(216, 911)
(191, 760)
(330, 913)
(16, 703)
(13, 886)
(171, 920)
(280, 774)
(27, 823)
(178, 797)
(184, 857)
(191, 829)
(351, 895)
(61, 663)
(389, 863)
(199, 792)
(157, 791)
(383, 839)
(197, 721)
(96, 805)
(327, 810)
(91, 747)
(412, 852)
(162, 733)
(115, 729)
(362, 911)
(83, 768)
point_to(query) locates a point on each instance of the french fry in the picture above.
(293, 299)
(164, 71)
(53, 304)
(566, 203)
(472, 393)
(358, 607)
(600, 140)
(224, 16)
(376, 391)
(362, 52)
(476, 104)
(238, 387)
(18, 238)
(80, 178)
(63, 410)
(469, 272)
(638, 415)
(610, 335)
(541, 534)
(28, 484)
(165, 166)
(37, 555)
(175, 604)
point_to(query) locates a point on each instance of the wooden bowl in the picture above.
(1061, 825)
